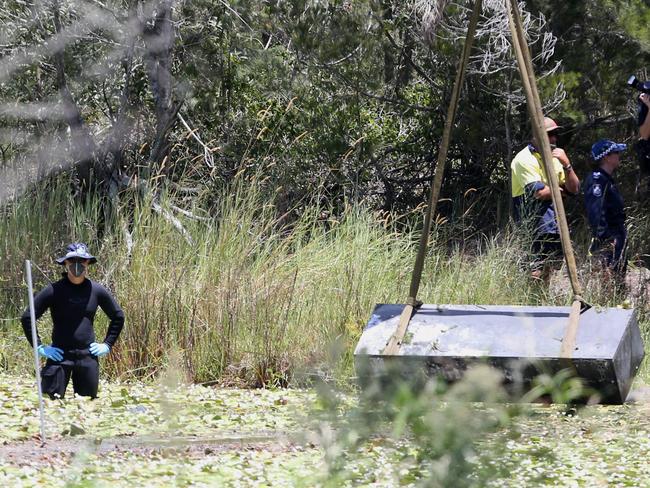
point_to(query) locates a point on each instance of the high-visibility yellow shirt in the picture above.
(527, 168)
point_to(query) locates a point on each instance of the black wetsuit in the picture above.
(73, 309)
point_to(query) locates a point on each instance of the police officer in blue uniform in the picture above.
(605, 210)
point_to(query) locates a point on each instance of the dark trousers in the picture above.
(612, 253)
(77, 364)
(546, 250)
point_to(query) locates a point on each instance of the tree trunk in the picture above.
(389, 61)
(159, 41)
(82, 145)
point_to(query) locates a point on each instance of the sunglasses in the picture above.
(555, 133)
(77, 260)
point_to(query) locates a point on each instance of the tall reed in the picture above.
(244, 295)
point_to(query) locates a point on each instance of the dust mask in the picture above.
(76, 268)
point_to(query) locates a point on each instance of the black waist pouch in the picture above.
(53, 379)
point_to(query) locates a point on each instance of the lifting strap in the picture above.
(525, 63)
(394, 342)
(526, 71)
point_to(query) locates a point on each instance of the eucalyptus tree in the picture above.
(341, 99)
(83, 83)
(385, 68)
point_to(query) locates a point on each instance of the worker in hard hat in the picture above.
(533, 204)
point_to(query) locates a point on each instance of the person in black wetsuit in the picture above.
(605, 208)
(73, 302)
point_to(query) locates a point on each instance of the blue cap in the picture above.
(77, 250)
(604, 147)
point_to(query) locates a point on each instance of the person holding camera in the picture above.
(643, 144)
(605, 210)
(644, 120)
(533, 204)
(73, 302)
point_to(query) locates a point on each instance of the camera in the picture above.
(642, 86)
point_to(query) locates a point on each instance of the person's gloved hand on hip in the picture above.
(99, 349)
(50, 352)
(72, 326)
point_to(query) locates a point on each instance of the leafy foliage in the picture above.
(345, 99)
(170, 433)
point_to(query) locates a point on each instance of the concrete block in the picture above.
(521, 341)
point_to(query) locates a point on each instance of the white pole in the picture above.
(37, 364)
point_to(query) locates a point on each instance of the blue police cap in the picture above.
(604, 147)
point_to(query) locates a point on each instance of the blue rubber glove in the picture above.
(50, 352)
(99, 349)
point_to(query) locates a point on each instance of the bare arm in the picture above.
(544, 193)
(572, 183)
(644, 129)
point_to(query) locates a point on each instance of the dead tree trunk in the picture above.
(82, 146)
(158, 35)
